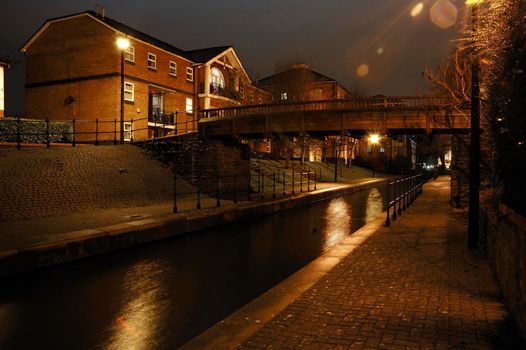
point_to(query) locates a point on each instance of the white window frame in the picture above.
(152, 58)
(189, 74)
(127, 89)
(284, 96)
(172, 68)
(189, 103)
(128, 131)
(130, 51)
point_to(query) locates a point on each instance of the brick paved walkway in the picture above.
(411, 286)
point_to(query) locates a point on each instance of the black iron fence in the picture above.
(93, 131)
(401, 193)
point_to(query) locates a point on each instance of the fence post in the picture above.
(175, 193)
(394, 200)
(248, 186)
(96, 131)
(131, 130)
(73, 144)
(387, 220)
(198, 192)
(175, 124)
(284, 184)
(114, 131)
(235, 189)
(399, 197)
(48, 143)
(18, 137)
(404, 189)
(308, 181)
(262, 186)
(218, 201)
(273, 185)
(292, 183)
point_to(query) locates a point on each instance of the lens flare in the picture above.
(380, 51)
(444, 14)
(417, 9)
(362, 70)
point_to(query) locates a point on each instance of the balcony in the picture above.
(217, 89)
(161, 118)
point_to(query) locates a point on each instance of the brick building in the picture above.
(300, 83)
(73, 71)
(3, 66)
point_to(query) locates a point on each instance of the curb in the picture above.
(106, 239)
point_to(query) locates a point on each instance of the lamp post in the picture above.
(374, 139)
(122, 44)
(474, 150)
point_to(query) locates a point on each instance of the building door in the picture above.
(156, 104)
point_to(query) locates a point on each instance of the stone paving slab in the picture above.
(413, 285)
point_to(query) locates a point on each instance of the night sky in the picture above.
(333, 37)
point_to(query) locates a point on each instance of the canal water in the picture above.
(162, 294)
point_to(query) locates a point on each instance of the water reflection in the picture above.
(338, 216)
(373, 205)
(141, 314)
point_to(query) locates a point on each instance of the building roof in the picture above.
(295, 69)
(3, 63)
(196, 56)
(205, 55)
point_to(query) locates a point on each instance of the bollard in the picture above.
(115, 132)
(73, 143)
(18, 136)
(96, 132)
(48, 144)
(175, 193)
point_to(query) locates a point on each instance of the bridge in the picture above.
(393, 115)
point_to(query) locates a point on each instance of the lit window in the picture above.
(216, 78)
(173, 68)
(152, 61)
(284, 96)
(128, 92)
(189, 74)
(129, 54)
(189, 105)
(128, 131)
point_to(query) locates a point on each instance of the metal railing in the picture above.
(89, 131)
(360, 104)
(245, 187)
(401, 193)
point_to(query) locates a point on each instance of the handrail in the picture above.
(360, 104)
(401, 193)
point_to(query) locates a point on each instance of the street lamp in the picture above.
(122, 44)
(374, 139)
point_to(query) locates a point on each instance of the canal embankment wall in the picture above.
(503, 237)
(98, 240)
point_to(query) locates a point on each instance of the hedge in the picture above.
(34, 130)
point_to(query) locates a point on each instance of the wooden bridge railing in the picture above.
(361, 104)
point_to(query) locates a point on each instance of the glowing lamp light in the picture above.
(444, 14)
(417, 9)
(473, 2)
(362, 70)
(374, 138)
(123, 43)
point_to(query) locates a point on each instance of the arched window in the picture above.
(217, 79)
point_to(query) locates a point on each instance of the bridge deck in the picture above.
(389, 114)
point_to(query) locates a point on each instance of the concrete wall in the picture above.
(503, 236)
(57, 181)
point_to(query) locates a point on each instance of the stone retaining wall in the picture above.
(36, 182)
(503, 236)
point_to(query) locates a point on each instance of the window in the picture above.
(241, 92)
(129, 54)
(189, 74)
(216, 78)
(173, 68)
(128, 131)
(284, 96)
(152, 61)
(251, 97)
(128, 92)
(260, 100)
(189, 105)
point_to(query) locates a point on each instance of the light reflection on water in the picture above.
(373, 205)
(338, 216)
